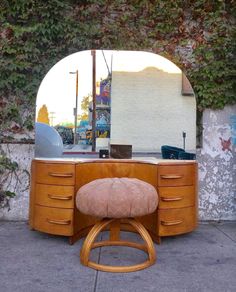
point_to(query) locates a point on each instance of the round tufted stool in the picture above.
(116, 199)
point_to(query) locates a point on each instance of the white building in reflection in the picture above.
(149, 109)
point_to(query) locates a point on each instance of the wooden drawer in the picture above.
(176, 221)
(55, 173)
(176, 197)
(54, 196)
(54, 220)
(176, 175)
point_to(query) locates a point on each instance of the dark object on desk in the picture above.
(170, 152)
(187, 156)
(120, 151)
(103, 153)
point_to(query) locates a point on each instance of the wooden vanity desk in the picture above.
(54, 183)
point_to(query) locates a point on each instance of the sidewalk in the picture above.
(204, 260)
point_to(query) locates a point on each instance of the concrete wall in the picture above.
(217, 165)
(20, 182)
(217, 170)
(148, 110)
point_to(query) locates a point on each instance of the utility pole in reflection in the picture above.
(93, 53)
(76, 105)
(51, 117)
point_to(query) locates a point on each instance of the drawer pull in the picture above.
(171, 199)
(170, 223)
(56, 174)
(171, 176)
(55, 197)
(59, 222)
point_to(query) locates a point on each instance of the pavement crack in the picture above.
(96, 277)
(225, 233)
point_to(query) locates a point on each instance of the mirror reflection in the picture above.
(93, 99)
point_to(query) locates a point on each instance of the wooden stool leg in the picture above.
(115, 230)
(146, 237)
(89, 240)
(89, 243)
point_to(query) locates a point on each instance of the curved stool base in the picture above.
(89, 244)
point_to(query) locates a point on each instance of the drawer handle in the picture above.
(59, 222)
(55, 197)
(171, 199)
(56, 174)
(171, 176)
(170, 223)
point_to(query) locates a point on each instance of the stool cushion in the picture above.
(117, 198)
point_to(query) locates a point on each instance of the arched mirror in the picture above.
(96, 98)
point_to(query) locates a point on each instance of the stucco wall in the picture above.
(217, 165)
(217, 170)
(20, 184)
(148, 110)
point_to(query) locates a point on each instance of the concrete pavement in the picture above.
(204, 260)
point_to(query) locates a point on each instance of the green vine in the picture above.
(198, 35)
(8, 170)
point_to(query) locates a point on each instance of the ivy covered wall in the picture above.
(197, 35)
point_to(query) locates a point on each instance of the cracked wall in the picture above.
(217, 165)
(20, 184)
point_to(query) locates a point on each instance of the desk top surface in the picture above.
(149, 160)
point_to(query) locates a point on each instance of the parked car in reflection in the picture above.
(66, 134)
